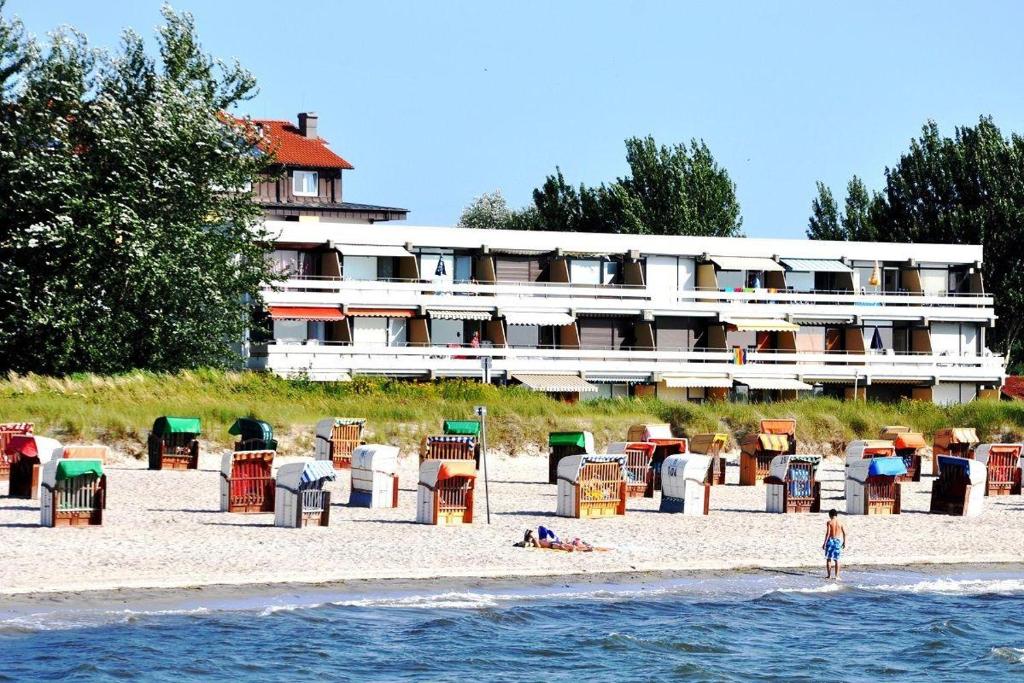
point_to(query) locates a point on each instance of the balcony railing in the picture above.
(297, 358)
(315, 290)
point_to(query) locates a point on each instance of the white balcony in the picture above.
(330, 361)
(628, 300)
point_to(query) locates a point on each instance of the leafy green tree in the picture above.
(126, 240)
(824, 221)
(967, 189)
(857, 220)
(675, 190)
(490, 211)
(964, 189)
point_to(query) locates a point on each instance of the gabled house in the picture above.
(309, 185)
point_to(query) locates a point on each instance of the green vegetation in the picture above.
(127, 240)
(670, 190)
(119, 410)
(964, 189)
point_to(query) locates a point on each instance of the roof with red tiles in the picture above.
(1013, 387)
(292, 148)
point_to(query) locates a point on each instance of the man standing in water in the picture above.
(833, 546)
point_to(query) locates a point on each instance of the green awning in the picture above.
(462, 427)
(176, 425)
(69, 469)
(249, 428)
(567, 439)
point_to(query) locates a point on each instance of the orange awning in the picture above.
(85, 453)
(381, 312)
(306, 313)
(457, 468)
(909, 440)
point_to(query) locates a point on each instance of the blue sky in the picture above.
(435, 103)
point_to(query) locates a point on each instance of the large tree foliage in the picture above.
(855, 222)
(824, 221)
(490, 211)
(124, 241)
(670, 190)
(964, 189)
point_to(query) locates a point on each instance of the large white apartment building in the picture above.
(683, 318)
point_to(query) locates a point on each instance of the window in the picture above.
(610, 270)
(294, 263)
(304, 183)
(585, 272)
(360, 268)
(463, 268)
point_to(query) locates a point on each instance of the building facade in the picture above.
(681, 318)
(305, 183)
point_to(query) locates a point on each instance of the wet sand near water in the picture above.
(164, 530)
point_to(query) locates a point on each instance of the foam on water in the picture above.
(921, 623)
(953, 586)
(824, 588)
(1014, 655)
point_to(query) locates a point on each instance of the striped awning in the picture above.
(381, 312)
(816, 265)
(451, 438)
(761, 325)
(317, 470)
(773, 442)
(823, 320)
(686, 382)
(613, 377)
(306, 313)
(922, 379)
(554, 384)
(747, 263)
(537, 318)
(787, 383)
(448, 314)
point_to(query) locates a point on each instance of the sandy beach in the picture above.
(164, 530)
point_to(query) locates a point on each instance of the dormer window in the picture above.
(304, 183)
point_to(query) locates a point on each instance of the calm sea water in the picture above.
(897, 625)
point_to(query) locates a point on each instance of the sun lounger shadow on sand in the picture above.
(535, 513)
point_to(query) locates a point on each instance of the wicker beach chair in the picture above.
(173, 444)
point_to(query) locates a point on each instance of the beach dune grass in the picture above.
(120, 410)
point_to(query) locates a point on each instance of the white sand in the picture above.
(163, 529)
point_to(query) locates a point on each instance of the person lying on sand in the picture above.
(546, 538)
